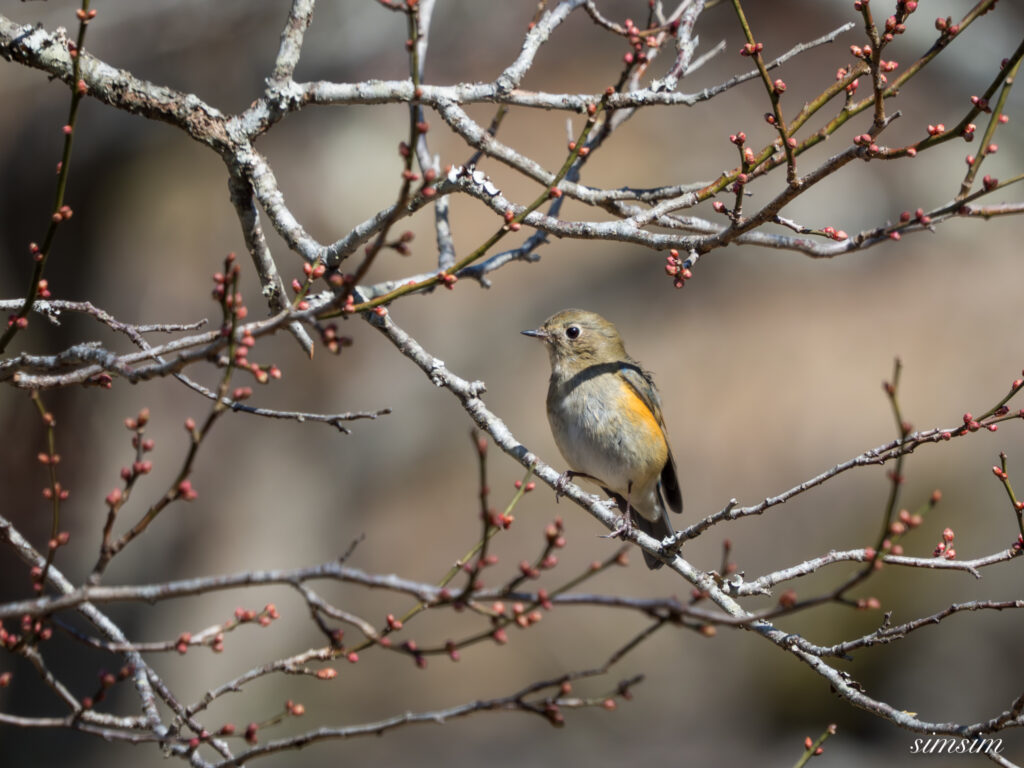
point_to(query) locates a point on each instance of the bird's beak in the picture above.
(540, 333)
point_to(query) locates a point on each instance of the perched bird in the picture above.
(605, 416)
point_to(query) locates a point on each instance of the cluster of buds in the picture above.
(808, 743)
(945, 547)
(8, 640)
(501, 520)
(408, 175)
(835, 234)
(841, 74)
(315, 271)
(893, 27)
(231, 301)
(448, 279)
(523, 617)
(48, 458)
(936, 130)
(970, 425)
(64, 212)
(341, 280)
(342, 283)
(865, 140)
(488, 560)
(402, 243)
(184, 490)
(312, 272)
(140, 466)
(330, 338)
(43, 289)
(452, 650)
(36, 573)
(946, 26)
(104, 380)
(751, 49)
(981, 103)
(263, 618)
(674, 268)
(56, 491)
(410, 647)
(861, 52)
(973, 425)
(137, 425)
(637, 55)
(543, 599)
(904, 523)
(510, 221)
(529, 571)
(550, 560)
(584, 150)
(107, 680)
(30, 628)
(919, 216)
(429, 176)
(299, 289)
(555, 534)
(262, 373)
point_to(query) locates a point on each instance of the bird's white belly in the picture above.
(589, 436)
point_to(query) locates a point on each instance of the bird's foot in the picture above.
(562, 483)
(622, 527)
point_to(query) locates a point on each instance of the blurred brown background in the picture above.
(769, 365)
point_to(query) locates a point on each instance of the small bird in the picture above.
(605, 416)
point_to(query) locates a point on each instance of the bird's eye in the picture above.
(573, 331)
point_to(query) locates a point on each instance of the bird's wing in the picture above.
(670, 484)
(640, 381)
